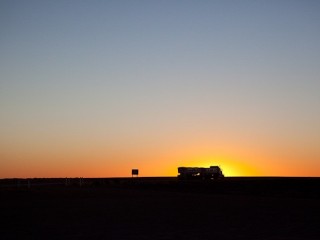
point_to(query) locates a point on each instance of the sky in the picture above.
(96, 88)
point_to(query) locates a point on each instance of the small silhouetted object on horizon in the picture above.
(135, 172)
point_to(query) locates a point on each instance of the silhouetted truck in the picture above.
(213, 172)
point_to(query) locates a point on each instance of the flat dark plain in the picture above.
(162, 208)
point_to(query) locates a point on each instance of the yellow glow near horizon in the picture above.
(229, 166)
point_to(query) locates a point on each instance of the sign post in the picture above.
(135, 172)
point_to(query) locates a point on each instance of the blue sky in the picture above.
(160, 75)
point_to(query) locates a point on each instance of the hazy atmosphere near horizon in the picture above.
(96, 88)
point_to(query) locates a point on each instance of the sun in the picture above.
(230, 166)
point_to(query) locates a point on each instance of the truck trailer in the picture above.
(213, 172)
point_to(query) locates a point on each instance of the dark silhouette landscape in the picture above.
(160, 208)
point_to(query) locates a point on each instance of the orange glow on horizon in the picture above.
(97, 162)
(229, 166)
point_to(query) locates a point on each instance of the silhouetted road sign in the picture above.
(135, 172)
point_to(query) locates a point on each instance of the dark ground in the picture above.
(161, 208)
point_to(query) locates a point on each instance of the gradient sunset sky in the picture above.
(96, 88)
